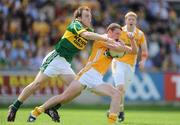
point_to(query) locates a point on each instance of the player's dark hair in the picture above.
(114, 26)
(78, 12)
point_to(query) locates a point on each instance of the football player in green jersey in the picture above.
(57, 62)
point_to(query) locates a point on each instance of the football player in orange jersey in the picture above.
(123, 68)
(90, 77)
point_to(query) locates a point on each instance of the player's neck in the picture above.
(130, 28)
(82, 23)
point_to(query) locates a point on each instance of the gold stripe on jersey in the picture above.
(78, 41)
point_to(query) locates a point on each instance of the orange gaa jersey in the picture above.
(139, 38)
(97, 59)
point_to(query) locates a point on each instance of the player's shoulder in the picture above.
(124, 28)
(139, 32)
(124, 31)
(75, 24)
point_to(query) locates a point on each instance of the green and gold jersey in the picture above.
(72, 42)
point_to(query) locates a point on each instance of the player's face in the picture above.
(115, 34)
(86, 18)
(131, 21)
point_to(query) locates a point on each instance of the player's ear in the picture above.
(110, 31)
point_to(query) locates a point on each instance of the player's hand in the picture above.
(110, 40)
(121, 46)
(121, 42)
(130, 35)
(111, 46)
(141, 65)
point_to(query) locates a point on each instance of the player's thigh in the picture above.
(92, 80)
(129, 75)
(104, 90)
(90, 77)
(41, 77)
(118, 73)
(67, 78)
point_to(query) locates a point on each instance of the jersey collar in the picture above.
(125, 29)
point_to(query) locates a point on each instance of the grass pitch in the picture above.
(94, 116)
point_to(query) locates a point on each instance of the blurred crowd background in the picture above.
(30, 28)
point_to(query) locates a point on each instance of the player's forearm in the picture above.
(93, 36)
(144, 51)
(144, 55)
(133, 49)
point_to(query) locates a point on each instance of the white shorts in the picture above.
(54, 65)
(122, 73)
(91, 78)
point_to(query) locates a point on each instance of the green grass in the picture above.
(92, 116)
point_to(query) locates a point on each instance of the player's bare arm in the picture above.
(95, 36)
(144, 55)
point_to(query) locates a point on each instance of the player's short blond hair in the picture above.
(131, 14)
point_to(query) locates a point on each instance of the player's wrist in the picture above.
(143, 59)
(106, 39)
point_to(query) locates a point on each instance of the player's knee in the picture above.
(36, 84)
(121, 89)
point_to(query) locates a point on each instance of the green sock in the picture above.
(16, 104)
(57, 106)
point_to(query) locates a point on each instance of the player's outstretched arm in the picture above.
(96, 36)
(144, 55)
(108, 42)
(93, 36)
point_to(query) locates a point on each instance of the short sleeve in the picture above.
(90, 29)
(142, 38)
(78, 28)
